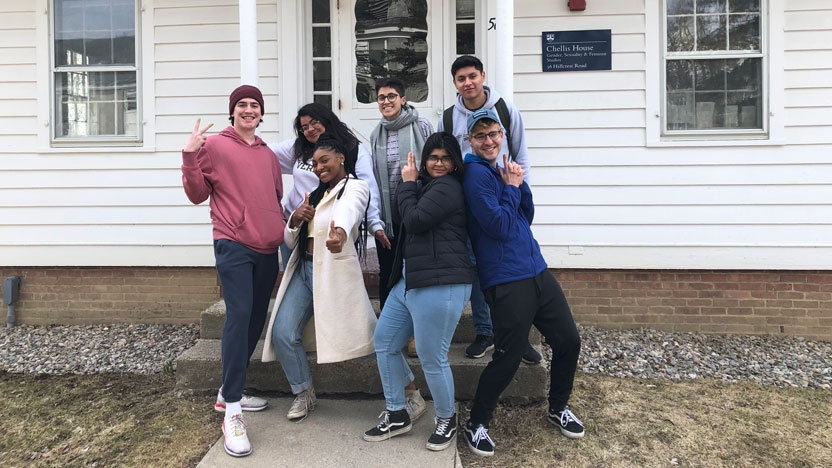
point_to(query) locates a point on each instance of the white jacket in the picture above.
(344, 318)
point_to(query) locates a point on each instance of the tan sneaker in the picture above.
(414, 404)
(305, 402)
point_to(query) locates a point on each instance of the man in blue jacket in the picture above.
(516, 283)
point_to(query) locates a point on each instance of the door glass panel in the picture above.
(390, 41)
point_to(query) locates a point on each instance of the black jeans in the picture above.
(515, 307)
(385, 269)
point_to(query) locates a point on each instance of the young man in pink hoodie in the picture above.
(242, 178)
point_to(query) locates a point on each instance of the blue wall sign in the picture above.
(577, 50)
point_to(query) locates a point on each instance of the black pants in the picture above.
(385, 269)
(515, 307)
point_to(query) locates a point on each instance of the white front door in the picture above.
(412, 40)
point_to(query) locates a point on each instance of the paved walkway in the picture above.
(330, 438)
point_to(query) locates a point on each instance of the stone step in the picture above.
(213, 320)
(199, 370)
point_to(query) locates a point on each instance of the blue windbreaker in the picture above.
(499, 225)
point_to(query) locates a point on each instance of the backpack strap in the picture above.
(448, 120)
(505, 118)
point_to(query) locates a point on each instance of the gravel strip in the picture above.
(642, 353)
(90, 349)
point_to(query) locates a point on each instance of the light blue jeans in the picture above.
(430, 315)
(293, 314)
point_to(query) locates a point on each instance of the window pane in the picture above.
(744, 74)
(95, 104)
(391, 41)
(744, 6)
(679, 75)
(710, 6)
(744, 32)
(94, 32)
(320, 11)
(322, 75)
(465, 39)
(464, 9)
(680, 34)
(680, 114)
(321, 42)
(710, 33)
(679, 7)
(324, 99)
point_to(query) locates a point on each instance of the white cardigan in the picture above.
(344, 318)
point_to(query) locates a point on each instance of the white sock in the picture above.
(219, 395)
(232, 409)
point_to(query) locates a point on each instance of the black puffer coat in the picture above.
(433, 234)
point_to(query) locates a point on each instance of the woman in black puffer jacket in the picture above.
(427, 300)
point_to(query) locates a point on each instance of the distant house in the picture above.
(689, 187)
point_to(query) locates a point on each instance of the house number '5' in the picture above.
(492, 23)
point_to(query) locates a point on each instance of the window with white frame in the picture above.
(94, 71)
(714, 67)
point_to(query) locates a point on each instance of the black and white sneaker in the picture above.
(392, 423)
(478, 440)
(444, 435)
(481, 345)
(568, 423)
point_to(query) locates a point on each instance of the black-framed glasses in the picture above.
(445, 160)
(312, 123)
(480, 137)
(387, 97)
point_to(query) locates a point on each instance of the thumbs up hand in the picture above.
(305, 212)
(336, 239)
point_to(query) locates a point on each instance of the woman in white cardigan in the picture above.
(323, 232)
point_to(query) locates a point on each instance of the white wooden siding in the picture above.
(605, 200)
(122, 206)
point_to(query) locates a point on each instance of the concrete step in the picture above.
(213, 320)
(199, 370)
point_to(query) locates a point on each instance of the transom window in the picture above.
(714, 67)
(94, 70)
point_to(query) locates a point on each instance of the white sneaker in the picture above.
(248, 403)
(305, 402)
(414, 404)
(236, 439)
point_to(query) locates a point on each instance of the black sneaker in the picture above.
(568, 423)
(444, 435)
(478, 440)
(531, 356)
(392, 423)
(480, 346)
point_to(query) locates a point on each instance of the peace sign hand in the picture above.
(197, 138)
(409, 172)
(336, 239)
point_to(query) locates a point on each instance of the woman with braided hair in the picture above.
(323, 277)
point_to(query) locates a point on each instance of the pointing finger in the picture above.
(206, 128)
(196, 125)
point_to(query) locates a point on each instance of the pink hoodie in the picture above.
(245, 186)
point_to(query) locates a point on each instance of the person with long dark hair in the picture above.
(430, 284)
(295, 156)
(323, 277)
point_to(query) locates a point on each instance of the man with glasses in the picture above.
(516, 282)
(399, 132)
(472, 95)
